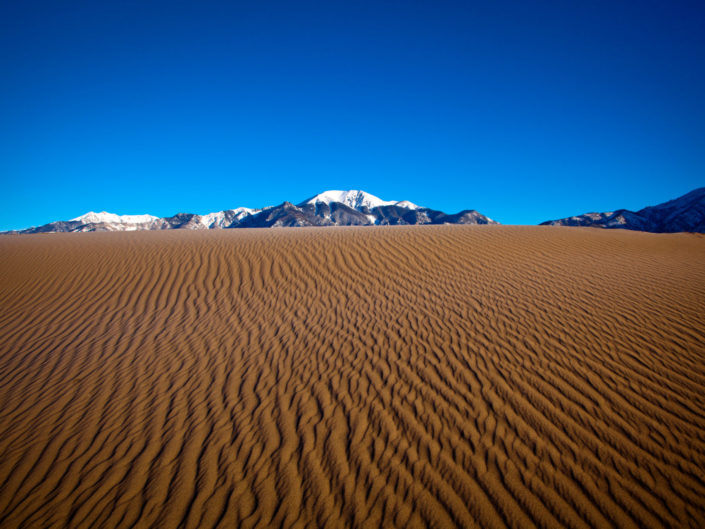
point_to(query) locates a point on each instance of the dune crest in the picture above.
(421, 376)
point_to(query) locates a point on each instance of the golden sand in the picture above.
(424, 376)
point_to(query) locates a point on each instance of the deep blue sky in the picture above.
(525, 111)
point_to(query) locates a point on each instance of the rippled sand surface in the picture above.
(424, 376)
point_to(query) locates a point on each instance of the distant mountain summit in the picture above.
(359, 208)
(357, 200)
(330, 208)
(686, 213)
(105, 217)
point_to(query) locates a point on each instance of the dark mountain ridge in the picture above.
(331, 208)
(685, 213)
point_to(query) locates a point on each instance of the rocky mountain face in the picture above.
(331, 208)
(686, 213)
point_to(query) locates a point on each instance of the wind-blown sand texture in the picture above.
(367, 377)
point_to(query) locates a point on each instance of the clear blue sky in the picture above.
(525, 111)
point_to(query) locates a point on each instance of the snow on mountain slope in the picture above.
(111, 218)
(356, 199)
(221, 218)
(330, 208)
(406, 204)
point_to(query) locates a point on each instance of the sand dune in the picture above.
(425, 376)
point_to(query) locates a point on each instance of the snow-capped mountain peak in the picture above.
(221, 218)
(104, 217)
(406, 204)
(357, 200)
(344, 208)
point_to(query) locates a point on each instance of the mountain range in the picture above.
(685, 213)
(358, 208)
(330, 208)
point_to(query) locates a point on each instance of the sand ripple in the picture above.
(432, 376)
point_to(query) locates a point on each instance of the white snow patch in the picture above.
(241, 213)
(217, 219)
(212, 218)
(406, 204)
(357, 199)
(104, 216)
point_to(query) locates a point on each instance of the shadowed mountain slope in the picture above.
(686, 213)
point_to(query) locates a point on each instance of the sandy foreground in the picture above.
(423, 376)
